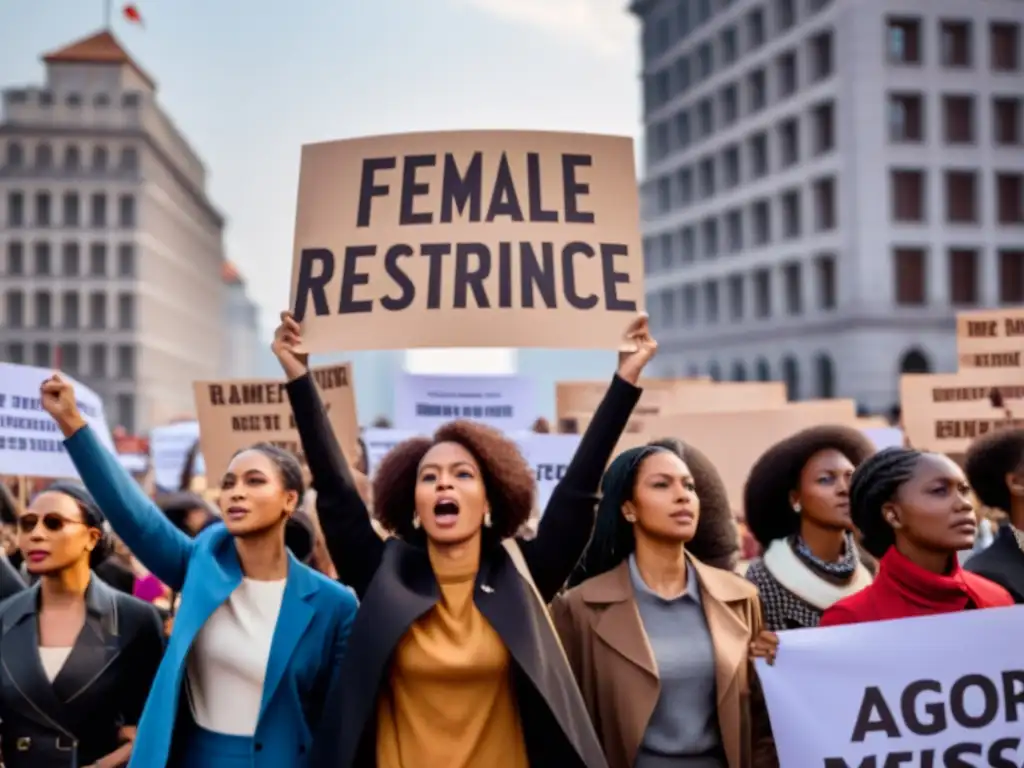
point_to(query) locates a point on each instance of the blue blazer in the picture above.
(309, 641)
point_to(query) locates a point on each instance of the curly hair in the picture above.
(507, 477)
(989, 459)
(776, 474)
(875, 482)
(715, 542)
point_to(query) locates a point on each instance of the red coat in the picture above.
(903, 590)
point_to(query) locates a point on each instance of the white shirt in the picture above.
(228, 661)
(53, 659)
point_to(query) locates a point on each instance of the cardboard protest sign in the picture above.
(945, 412)
(235, 414)
(467, 239)
(425, 402)
(991, 338)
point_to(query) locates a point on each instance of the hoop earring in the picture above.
(415, 521)
(487, 520)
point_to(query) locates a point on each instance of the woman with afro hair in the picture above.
(797, 504)
(453, 661)
(657, 626)
(916, 513)
(995, 470)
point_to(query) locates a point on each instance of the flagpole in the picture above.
(108, 9)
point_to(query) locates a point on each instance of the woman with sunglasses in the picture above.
(77, 657)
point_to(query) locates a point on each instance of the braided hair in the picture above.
(989, 459)
(875, 482)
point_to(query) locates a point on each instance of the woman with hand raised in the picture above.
(258, 635)
(453, 661)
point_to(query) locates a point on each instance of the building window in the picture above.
(69, 358)
(791, 218)
(764, 371)
(739, 371)
(762, 294)
(126, 312)
(44, 157)
(687, 247)
(101, 101)
(737, 308)
(706, 175)
(70, 310)
(714, 371)
(789, 143)
(690, 304)
(705, 61)
(15, 315)
(98, 361)
(904, 40)
(98, 311)
(911, 276)
(785, 15)
(73, 100)
(16, 353)
(1006, 120)
(126, 260)
(41, 257)
(729, 46)
(825, 275)
(963, 277)
(98, 260)
(755, 29)
(15, 155)
(785, 65)
(791, 376)
(792, 284)
(908, 200)
(915, 361)
(43, 309)
(730, 103)
(734, 230)
(129, 160)
(15, 258)
(758, 89)
(72, 159)
(100, 159)
(824, 191)
(823, 128)
(731, 166)
(709, 234)
(706, 117)
(959, 119)
(762, 218)
(758, 155)
(956, 43)
(98, 210)
(711, 302)
(44, 209)
(126, 211)
(1011, 276)
(70, 266)
(1009, 198)
(906, 113)
(72, 214)
(825, 373)
(41, 354)
(126, 412)
(961, 197)
(125, 361)
(1005, 46)
(666, 251)
(682, 129)
(821, 65)
(15, 209)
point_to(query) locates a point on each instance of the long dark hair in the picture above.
(716, 541)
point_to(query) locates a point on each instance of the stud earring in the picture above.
(487, 520)
(797, 508)
(415, 521)
(631, 518)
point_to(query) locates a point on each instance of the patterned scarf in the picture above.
(841, 570)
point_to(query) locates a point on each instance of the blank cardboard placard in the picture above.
(945, 412)
(990, 338)
(467, 239)
(235, 414)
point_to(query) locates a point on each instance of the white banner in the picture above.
(936, 691)
(168, 448)
(423, 403)
(30, 441)
(550, 456)
(379, 441)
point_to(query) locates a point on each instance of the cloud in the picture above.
(604, 26)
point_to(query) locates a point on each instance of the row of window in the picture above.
(72, 312)
(43, 160)
(76, 359)
(73, 99)
(43, 258)
(957, 42)
(748, 95)
(744, 296)
(959, 119)
(962, 193)
(912, 275)
(71, 210)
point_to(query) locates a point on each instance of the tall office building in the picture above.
(243, 337)
(110, 249)
(827, 182)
